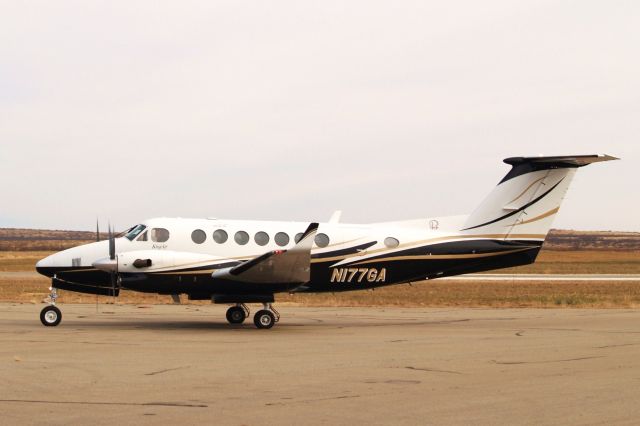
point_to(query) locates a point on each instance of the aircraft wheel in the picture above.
(236, 315)
(264, 319)
(50, 316)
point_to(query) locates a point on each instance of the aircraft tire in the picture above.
(236, 315)
(50, 316)
(264, 319)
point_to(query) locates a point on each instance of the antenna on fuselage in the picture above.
(335, 217)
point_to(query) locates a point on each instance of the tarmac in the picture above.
(183, 364)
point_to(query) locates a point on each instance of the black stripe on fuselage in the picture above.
(478, 247)
(414, 269)
(344, 252)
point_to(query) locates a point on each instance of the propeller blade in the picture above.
(113, 283)
(112, 244)
(97, 231)
(110, 265)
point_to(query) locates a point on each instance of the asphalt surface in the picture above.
(183, 364)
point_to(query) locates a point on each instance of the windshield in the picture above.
(135, 231)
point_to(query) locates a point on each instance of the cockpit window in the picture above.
(159, 235)
(134, 232)
(143, 237)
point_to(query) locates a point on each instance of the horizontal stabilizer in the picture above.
(524, 165)
(566, 160)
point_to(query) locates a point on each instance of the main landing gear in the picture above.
(51, 316)
(264, 318)
(237, 314)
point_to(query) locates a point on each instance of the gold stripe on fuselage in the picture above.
(440, 256)
(432, 240)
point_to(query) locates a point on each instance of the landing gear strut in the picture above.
(267, 317)
(51, 316)
(237, 314)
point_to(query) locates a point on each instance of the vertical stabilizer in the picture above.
(527, 199)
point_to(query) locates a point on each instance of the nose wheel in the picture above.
(51, 316)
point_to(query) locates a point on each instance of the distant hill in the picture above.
(13, 239)
(592, 240)
(16, 239)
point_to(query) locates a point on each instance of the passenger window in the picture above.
(220, 236)
(159, 235)
(143, 237)
(241, 238)
(281, 239)
(261, 238)
(322, 240)
(298, 237)
(391, 242)
(198, 236)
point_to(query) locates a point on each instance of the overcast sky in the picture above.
(288, 110)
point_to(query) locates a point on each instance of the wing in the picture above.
(278, 266)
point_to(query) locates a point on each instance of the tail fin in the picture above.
(526, 200)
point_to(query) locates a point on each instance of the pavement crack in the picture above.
(432, 370)
(153, 373)
(307, 401)
(616, 346)
(545, 362)
(135, 404)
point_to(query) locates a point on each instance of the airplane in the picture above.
(240, 262)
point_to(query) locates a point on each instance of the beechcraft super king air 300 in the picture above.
(241, 262)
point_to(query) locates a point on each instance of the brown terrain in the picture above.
(564, 252)
(16, 239)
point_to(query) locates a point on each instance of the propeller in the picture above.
(112, 245)
(113, 259)
(110, 264)
(97, 231)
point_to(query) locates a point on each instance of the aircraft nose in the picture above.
(44, 266)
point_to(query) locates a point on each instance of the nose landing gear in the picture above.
(51, 316)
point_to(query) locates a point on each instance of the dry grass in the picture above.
(548, 262)
(581, 262)
(15, 261)
(431, 293)
(35, 290)
(15, 239)
(550, 294)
